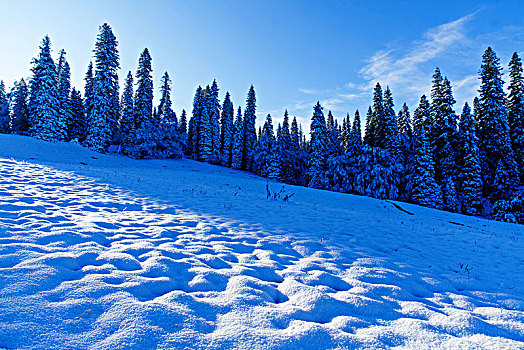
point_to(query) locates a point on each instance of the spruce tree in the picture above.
(76, 124)
(88, 92)
(265, 158)
(333, 145)
(516, 111)
(143, 102)
(213, 105)
(64, 91)
(387, 135)
(294, 134)
(496, 156)
(356, 131)
(43, 96)
(238, 141)
(373, 119)
(425, 192)
(421, 116)
(19, 123)
(193, 141)
(104, 109)
(318, 148)
(470, 182)
(4, 110)
(226, 130)
(285, 139)
(250, 135)
(182, 125)
(165, 110)
(205, 144)
(127, 115)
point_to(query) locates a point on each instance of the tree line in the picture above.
(470, 163)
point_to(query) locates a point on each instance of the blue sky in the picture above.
(294, 52)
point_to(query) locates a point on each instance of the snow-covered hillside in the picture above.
(105, 252)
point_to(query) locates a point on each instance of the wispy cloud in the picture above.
(406, 69)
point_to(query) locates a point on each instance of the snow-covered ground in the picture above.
(105, 252)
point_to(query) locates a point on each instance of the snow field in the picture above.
(107, 252)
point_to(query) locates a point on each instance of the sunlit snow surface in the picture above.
(105, 252)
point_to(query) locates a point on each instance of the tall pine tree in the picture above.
(103, 108)
(516, 111)
(226, 130)
(318, 148)
(250, 135)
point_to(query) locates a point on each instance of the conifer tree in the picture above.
(76, 125)
(226, 130)
(516, 111)
(285, 139)
(496, 156)
(213, 106)
(182, 125)
(295, 136)
(19, 123)
(250, 135)
(238, 141)
(143, 102)
(373, 119)
(127, 115)
(64, 91)
(88, 91)
(470, 182)
(333, 145)
(193, 141)
(205, 144)
(43, 96)
(356, 131)
(104, 109)
(4, 110)
(318, 148)
(387, 135)
(421, 116)
(165, 110)
(265, 159)
(426, 192)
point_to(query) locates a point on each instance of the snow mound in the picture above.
(100, 251)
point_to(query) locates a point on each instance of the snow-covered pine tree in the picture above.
(496, 156)
(425, 191)
(356, 131)
(182, 124)
(265, 157)
(143, 102)
(421, 116)
(88, 92)
(213, 105)
(294, 134)
(367, 128)
(43, 96)
(516, 111)
(226, 130)
(388, 136)
(205, 144)
(19, 123)
(373, 120)
(104, 109)
(318, 148)
(165, 110)
(126, 123)
(64, 92)
(170, 142)
(333, 145)
(193, 138)
(238, 141)
(469, 177)
(4, 110)
(407, 152)
(285, 139)
(250, 135)
(76, 125)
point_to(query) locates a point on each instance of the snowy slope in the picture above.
(102, 251)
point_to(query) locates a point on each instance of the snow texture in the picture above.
(102, 251)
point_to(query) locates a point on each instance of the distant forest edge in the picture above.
(471, 164)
